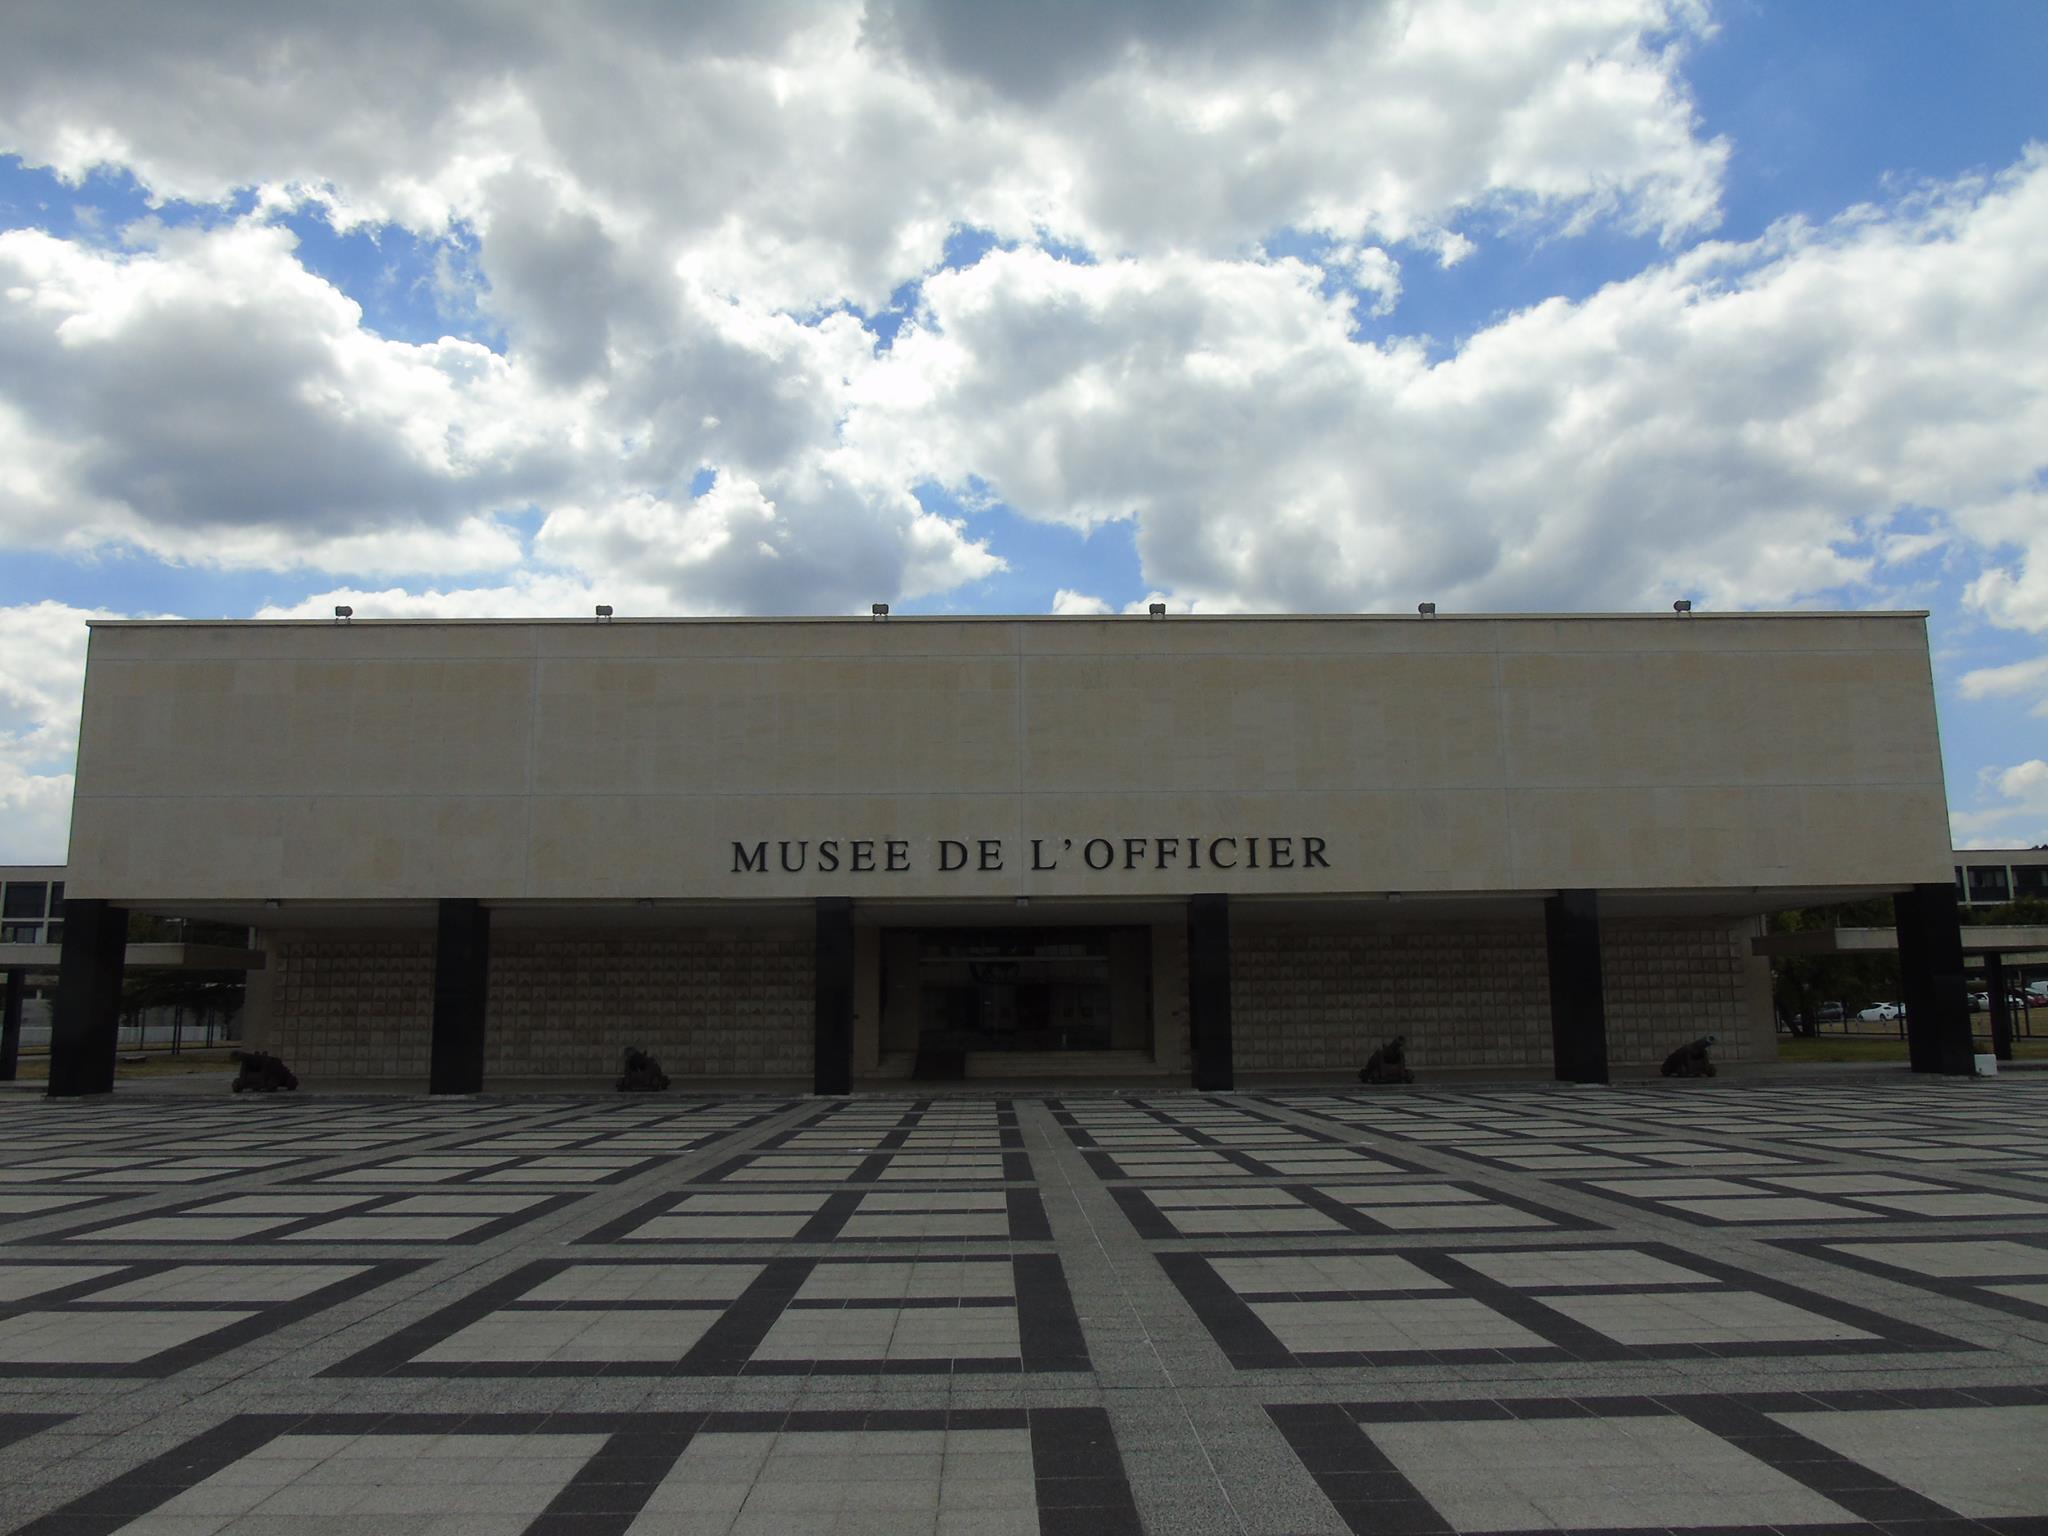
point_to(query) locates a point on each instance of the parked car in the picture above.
(1831, 1013)
(1882, 1013)
(1980, 1002)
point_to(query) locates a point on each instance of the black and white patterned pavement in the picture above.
(1721, 1307)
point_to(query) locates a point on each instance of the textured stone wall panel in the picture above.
(1322, 999)
(352, 1006)
(706, 1003)
(738, 1004)
(1670, 982)
(1171, 1044)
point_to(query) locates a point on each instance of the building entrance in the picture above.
(973, 990)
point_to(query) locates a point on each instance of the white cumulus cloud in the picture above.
(2026, 680)
(1066, 601)
(672, 244)
(205, 398)
(42, 678)
(660, 204)
(1742, 423)
(2017, 816)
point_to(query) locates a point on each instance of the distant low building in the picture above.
(1994, 877)
(31, 950)
(31, 904)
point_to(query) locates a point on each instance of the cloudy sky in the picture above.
(470, 307)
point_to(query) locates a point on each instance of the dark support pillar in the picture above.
(2001, 1011)
(10, 1024)
(1931, 980)
(1209, 993)
(832, 995)
(85, 1031)
(1578, 1005)
(462, 976)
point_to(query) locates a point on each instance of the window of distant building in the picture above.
(22, 903)
(2030, 882)
(25, 899)
(1990, 883)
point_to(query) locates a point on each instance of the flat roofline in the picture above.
(1985, 939)
(1045, 618)
(144, 956)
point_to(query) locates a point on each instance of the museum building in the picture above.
(842, 851)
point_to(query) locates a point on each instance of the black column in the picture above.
(462, 977)
(2001, 1013)
(85, 1029)
(832, 998)
(10, 1024)
(1931, 980)
(1209, 993)
(1578, 1003)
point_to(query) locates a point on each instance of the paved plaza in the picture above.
(1696, 1307)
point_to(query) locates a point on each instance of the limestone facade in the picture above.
(951, 759)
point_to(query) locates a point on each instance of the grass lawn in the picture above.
(160, 1063)
(1840, 1048)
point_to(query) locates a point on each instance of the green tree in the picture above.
(202, 994)
(2027, 910)
(1801, 983)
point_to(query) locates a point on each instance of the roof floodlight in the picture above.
(1158, 610)
(1427, 610)
(1683, 605)
(879, 610)
(604, 610)
(343, 613)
